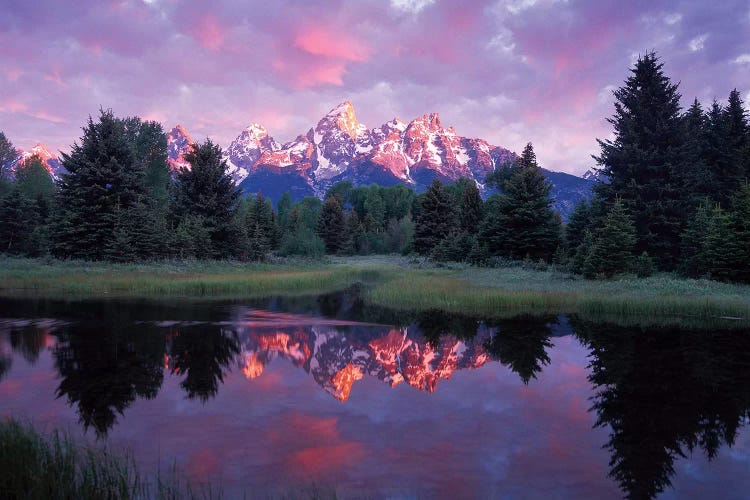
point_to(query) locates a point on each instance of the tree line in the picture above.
(672, 195)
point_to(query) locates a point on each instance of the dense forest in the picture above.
(672, 195)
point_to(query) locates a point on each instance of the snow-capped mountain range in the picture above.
(340, 148)
(49, 160)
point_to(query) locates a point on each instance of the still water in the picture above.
(264, 397)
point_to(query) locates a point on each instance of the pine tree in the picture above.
(8, 155)
(579, 220)
(284, 208)
(718, 156)
(331, 228)
(737, 135)
(102, 178)
(612, 252)
(697, 180)
(694, 242)
(521, 223)
(149, 144)
(738, 247)
(207, 191)
(435, 219)
(33, 180)
(14, 223)
(471, 209)
(720, 262)
(641, 164)
(582, 252)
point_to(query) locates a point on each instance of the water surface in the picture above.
(263, 396)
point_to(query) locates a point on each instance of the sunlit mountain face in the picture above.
(283, 391)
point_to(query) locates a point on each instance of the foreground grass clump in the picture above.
(38, 466)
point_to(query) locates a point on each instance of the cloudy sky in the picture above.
(509, 71)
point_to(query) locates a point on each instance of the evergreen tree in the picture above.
(697, 180)
(720, 262)
(258, 243)
(718, 158)
(579, 220)
(33, 180)
(582, 252)
(149, 144)
(102, 178)
(471, 209)
(738, 247)
(738, 138)
(521, 222)
(641, 165)
(331, 227)
(374, 210)
(206, 190)
(284, 207)
(8, 155)
(694, 242)
(612, 252)
(15, 220)
(435, 218)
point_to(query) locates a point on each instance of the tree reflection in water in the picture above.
(664, 393)
(202, 354)
(521, 344)
(103, 370)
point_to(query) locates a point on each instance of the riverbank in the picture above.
(389, 281)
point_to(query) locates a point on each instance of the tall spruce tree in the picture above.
(697, 180)
(521, 223)
(738, 138)
(738, 247)
(694, 243)
(642, 164)
(15, 219)
(471, 209)
(579, 220)
(207, 192)
(331, 225)
(8, 155)
(435, 218)
(103, 178)
(718, 158)
(612, 252)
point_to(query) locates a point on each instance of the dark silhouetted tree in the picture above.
(642, 164)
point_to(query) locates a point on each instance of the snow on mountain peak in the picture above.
(179, 144)
(50, 161)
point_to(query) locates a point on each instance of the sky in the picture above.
(508, 71)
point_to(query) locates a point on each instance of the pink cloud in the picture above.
(324, 42)
(209, 33)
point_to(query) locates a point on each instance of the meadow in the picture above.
(395, 282)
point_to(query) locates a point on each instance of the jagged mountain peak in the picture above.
(179, 143)
(343, 118)
(430, 121)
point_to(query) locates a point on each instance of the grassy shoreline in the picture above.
(389, 281)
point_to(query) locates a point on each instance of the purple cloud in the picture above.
(508, 71)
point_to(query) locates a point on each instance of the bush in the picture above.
(303, 242)
(644, 265)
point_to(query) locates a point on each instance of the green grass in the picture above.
(393, 282)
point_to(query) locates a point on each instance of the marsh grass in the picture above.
(38, 466)
(393, 282)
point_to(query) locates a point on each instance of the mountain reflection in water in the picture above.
(657, 398)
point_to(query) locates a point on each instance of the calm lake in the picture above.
(267, 397)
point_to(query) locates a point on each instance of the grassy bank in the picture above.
(392, 282)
